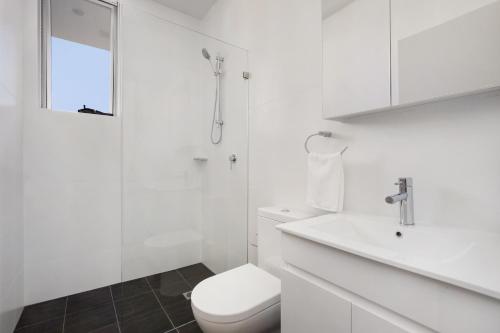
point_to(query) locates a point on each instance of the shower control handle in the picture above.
(232, 159)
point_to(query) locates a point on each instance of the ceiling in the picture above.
(195, 8)
(331, 6)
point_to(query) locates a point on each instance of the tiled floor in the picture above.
(154, 304)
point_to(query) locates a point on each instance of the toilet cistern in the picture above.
(405, 199)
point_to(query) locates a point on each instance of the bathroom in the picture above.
(165, 209)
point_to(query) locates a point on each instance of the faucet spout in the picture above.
(396, 198)
(405, 199)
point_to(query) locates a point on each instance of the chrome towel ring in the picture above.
(325, 134)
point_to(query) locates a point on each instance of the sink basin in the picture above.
(466, 258)
(417, 243)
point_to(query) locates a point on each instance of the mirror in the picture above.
(443, 48)
(382, 54)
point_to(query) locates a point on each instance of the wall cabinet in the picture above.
(356, 66)
(388, 54)
(444, 48)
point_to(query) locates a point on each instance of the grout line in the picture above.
(116, 313)
(161, 305)
(188, 323)
(65, 311)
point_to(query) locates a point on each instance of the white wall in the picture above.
(284, 42)
(11, 199)
(72, 192)
(450, 148)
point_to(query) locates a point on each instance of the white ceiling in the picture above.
(195, 8)
(331, 6)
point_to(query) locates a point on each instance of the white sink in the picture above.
(465, 258)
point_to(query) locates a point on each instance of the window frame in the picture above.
(46, 54)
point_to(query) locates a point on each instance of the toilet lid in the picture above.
(236, 295)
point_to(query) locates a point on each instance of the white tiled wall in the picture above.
(225, 185)
(162, 198)
(72, 192)
(73, 173)
(73, 170)
(11, 224)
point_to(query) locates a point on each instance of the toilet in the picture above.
(247, 298)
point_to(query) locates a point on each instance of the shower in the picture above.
(217, 122)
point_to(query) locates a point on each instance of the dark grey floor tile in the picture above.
(194, 274)
(178, 309)
(41, 312)
(50, 326)
(148, 322)
(129, 289)
(157, 281)
(136, 305)
(190, 328)
(88, 300)
(173, 289)
(113, 328)
(91, 320)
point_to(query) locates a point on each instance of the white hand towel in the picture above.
(325, 188)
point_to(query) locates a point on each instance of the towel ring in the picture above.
(325, 134)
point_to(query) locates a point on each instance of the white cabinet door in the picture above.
(356, 59)
(366, 322)
(306, 307)
(444, 48)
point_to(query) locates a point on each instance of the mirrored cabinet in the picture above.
(385, 54)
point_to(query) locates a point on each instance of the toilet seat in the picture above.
(236, 295)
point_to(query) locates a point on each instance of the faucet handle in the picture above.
(404, 182)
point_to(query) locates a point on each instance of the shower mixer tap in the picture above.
(232, 160)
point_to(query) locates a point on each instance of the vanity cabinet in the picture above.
(364, 321)
(356, 53)
(309, 307)
(316, 309)
(386, 54)
(325, 289)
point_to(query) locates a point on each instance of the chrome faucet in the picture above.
(405, 199)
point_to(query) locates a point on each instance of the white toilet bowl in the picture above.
(245, 299)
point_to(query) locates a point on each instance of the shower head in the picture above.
(205, 53)
(207, 56)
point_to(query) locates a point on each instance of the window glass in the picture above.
(79, 46)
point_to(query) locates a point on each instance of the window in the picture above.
(78, 56)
